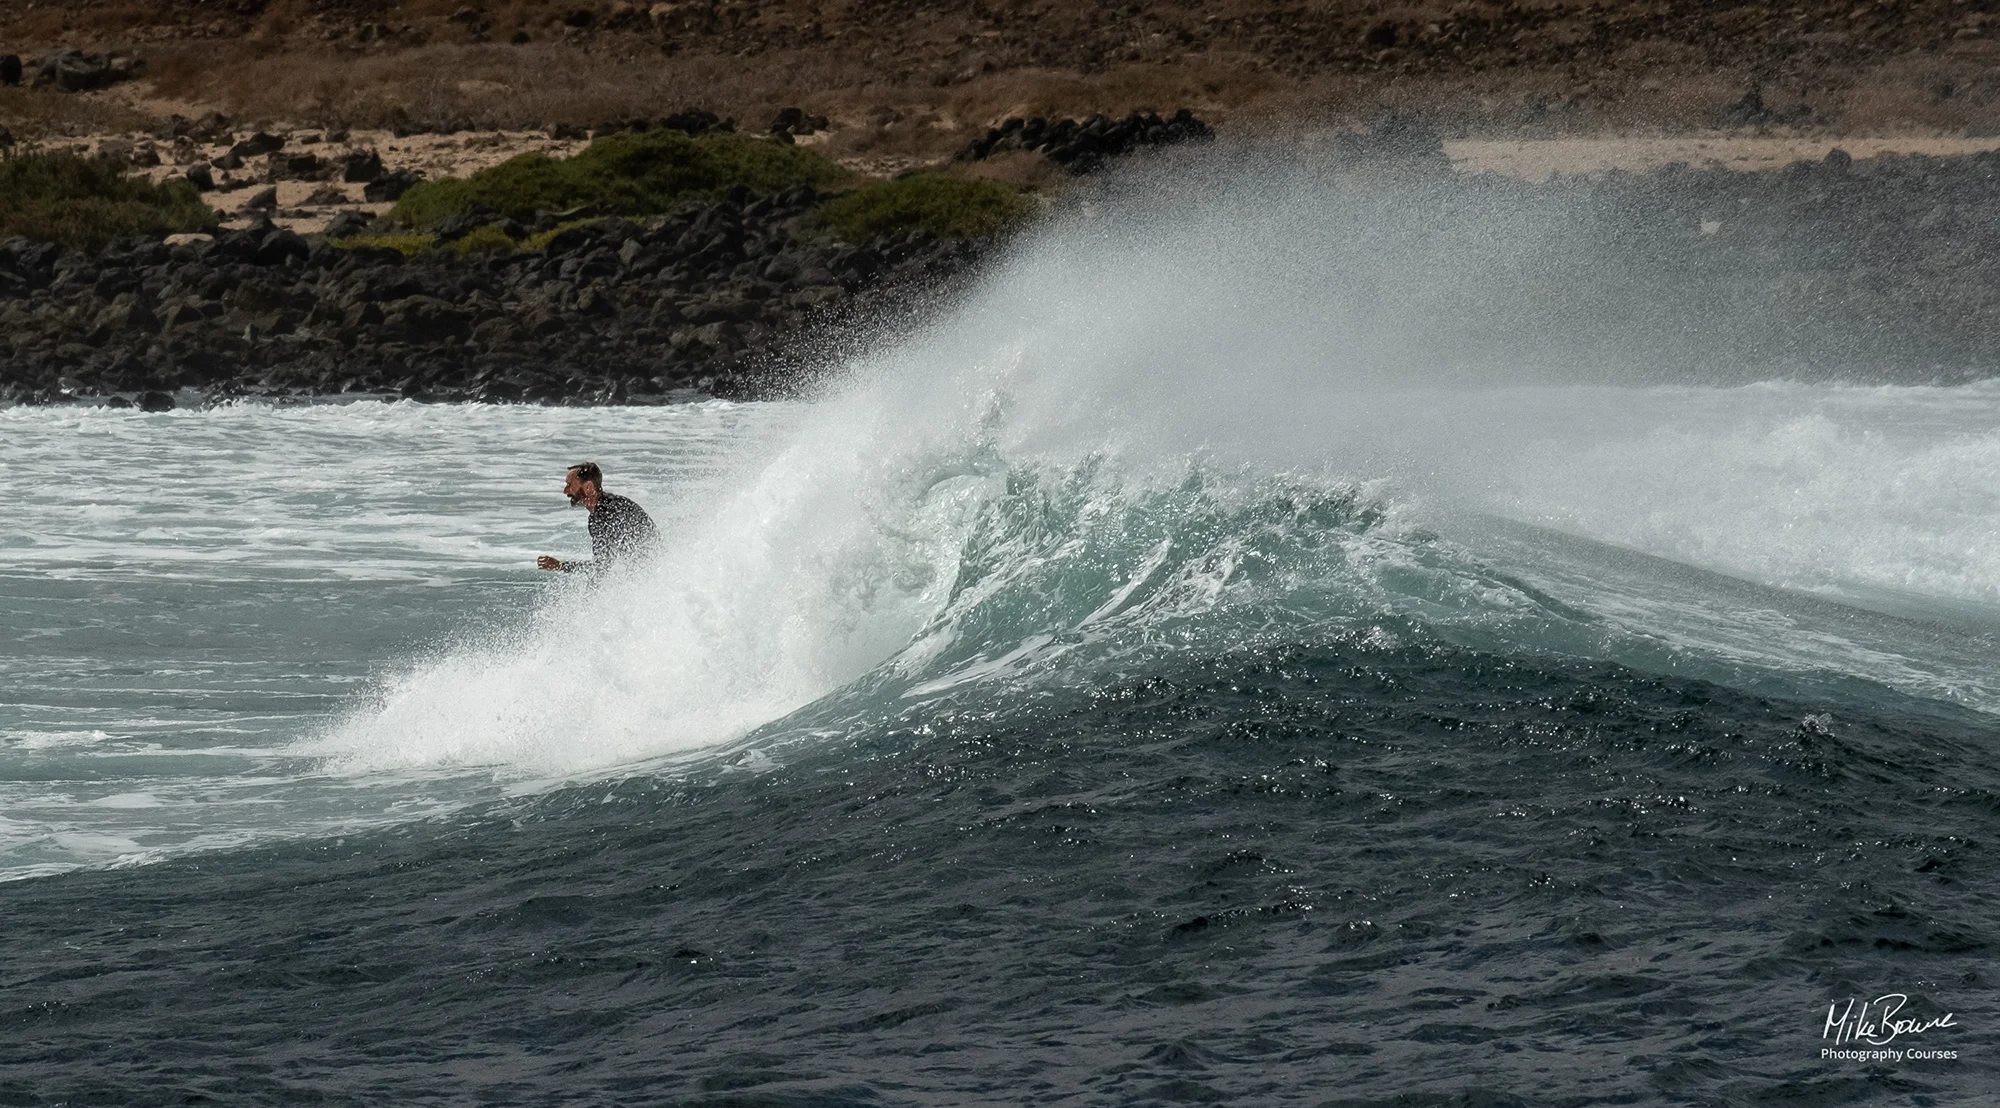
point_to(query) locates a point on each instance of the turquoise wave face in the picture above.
(1059, 561)
(1078, 578)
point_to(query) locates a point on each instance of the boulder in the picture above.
(696, 122)
(567, 240)
(596, 301)
(423, 319)
(496, 333)
(156, 402)
(455, 227)
(72, 70)
(113, 281)
(294, 167)
(280, 246)
(722, 336)
(390, 187)
(258, 145)
(181, 313)
(348, 224)
(265, 200)
(543, 323)
(201, 177)
(212, 127)
(360, 166)
(10, 69)
(128, 313)
(590, 265)
(363, 315)
(793, 121)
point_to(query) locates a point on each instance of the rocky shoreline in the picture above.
(715, 301)
(1888, 266)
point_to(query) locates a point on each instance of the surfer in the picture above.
(618, 527)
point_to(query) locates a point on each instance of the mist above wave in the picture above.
(1253, 324)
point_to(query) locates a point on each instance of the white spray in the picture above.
(1248, 317)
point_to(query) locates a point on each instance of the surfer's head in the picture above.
(583, 480)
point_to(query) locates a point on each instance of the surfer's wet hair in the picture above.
(588, 471)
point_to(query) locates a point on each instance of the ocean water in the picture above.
(1151, 684)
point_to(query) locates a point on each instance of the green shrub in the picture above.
(622, 174)
(517, 188)
(87, 202)
(945, 206)
(538, 242)
(406, 245)
(489, 239)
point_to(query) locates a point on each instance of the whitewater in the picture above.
(1268, 433)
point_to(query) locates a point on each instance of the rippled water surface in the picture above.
(191, 595)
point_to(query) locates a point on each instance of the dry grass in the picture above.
(1211, 87)
(488, 85)
(1958, 93)
(889, 126)
(36, 115)
(1028, 172)
(535, 85)
(1900, 98)
(908, 84)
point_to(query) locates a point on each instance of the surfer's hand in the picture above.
(546, 562)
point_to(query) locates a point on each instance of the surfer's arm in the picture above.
(603, 548)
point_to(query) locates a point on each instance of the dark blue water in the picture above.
(1318, 873)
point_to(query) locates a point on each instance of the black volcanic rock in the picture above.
(258, 145)
(295, 167)
(348, 224)
(1885, 261)
(1086, 145)
(72, 70)
(390, 187)
(360, 166)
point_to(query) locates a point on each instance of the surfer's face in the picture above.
(573, 487)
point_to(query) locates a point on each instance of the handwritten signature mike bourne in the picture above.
(1876, 1023)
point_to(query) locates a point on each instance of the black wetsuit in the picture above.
(618, 529)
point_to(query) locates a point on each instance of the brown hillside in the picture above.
(910, 78)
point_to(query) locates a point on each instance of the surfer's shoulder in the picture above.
(621, 505)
